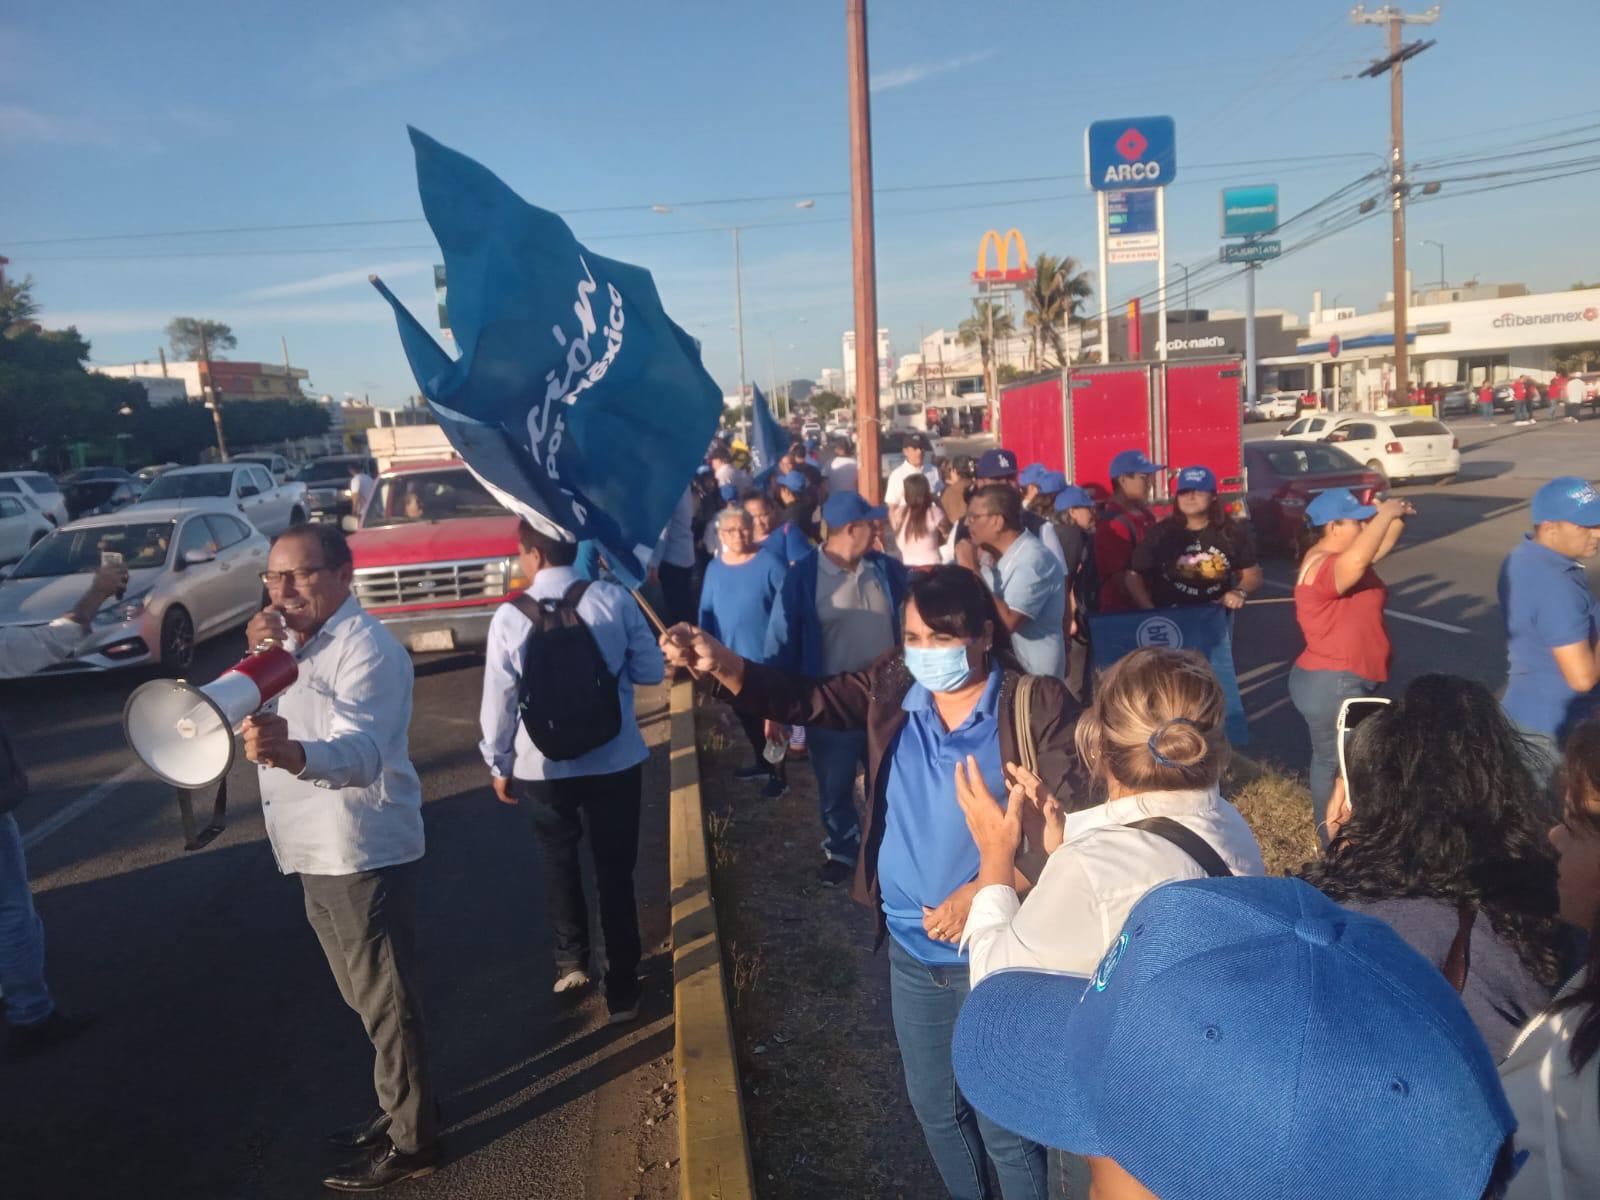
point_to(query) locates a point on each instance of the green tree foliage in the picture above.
(1006, 373)
(17, 305)
(192, 338)
(826, 402)
(48, 401)
(988, 325)
(1054, 295)
(1579, 358)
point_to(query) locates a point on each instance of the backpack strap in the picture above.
(1187, 840)
(528, 607)
(575, 592)
(1459, 960)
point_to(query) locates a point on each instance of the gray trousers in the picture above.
(367, 923)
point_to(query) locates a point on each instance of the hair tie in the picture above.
(1159, 730)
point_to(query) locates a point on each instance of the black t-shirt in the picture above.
(1185, 566)
(1077, 545)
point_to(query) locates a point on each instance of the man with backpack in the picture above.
(559, 734)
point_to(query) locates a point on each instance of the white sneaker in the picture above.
(572, 981)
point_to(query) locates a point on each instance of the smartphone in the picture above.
(112, 558)
(1351, 713)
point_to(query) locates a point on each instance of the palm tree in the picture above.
(989, 324)
(1054, 295)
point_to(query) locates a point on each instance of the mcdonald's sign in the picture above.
(1006, 273)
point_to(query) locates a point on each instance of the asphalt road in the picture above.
(222, 1051)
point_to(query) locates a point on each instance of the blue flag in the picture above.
(576, 400)
(767, 440)
(1200, 627)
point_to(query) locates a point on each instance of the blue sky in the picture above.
(179, 116)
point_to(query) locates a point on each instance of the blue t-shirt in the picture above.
(1032, 581)
(1545, 602)
(787, 542)
(927, 851)
(736, 602)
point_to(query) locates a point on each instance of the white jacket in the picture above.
(1558, 1111)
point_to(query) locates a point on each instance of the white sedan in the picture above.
(267, 504)
(1277, 406)
(21, 525)
(1402, 446)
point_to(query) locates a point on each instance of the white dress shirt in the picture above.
(1095, 877)
(894, 488)
(25, 649)
(357, 806)
(842, 474)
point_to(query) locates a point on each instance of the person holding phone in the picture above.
(1437, 827)
(1338, 602)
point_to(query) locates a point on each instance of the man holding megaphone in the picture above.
(343, 810)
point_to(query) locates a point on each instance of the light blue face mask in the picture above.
(941, 669)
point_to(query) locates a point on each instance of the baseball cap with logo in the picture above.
(1132, 462)
(997, 464)
(1196, 479)
(1236, 1033)
(1568, 498)
(841, 508)
(920, 441)
(1338, 504)
(1073, 496)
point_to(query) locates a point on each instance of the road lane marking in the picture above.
(1389, 612)
(1271, 708)
(78, 807)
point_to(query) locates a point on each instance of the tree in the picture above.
(1006, 373)
(988, 325)
(826, 402)
(194, 338)
(17, 305)
(1054, 295)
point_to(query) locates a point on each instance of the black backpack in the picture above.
(568, 697)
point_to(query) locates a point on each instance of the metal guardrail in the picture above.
(714, 1147)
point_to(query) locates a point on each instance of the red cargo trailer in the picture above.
(1182, 413)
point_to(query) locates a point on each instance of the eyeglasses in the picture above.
(301, 576)
(1352, 711)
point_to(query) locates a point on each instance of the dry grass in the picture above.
(1278, 808)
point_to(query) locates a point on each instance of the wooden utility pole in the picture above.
(863, 254)
(1394, 19)
(210, 394)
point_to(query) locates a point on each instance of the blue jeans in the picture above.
(1524, 412)
(21, 935)
(834, 759)
(1318, 694)
(925, 1002)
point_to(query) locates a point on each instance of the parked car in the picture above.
(1398, 444)
(91, 491)
(145, 474)
(268, 505)
(279, 467)
(21, 527)
(1278, 406)
(193, 571)
(1458, 401)
(327, 483)
(1285, 476)
(40, 489)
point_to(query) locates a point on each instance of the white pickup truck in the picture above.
(267, 504)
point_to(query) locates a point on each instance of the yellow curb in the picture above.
(714, 1149)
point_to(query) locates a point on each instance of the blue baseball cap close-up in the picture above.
(1051, 482)
(792, 480)
(1196, 479)
(1031, 474)
(1235, 1035)
(1132, 462)
(1073, 496)
(996, 464)
(1567, 498)
(1338, 504)
(843, 507)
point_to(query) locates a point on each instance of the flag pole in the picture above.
(661, 626)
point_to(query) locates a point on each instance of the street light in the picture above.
(738, 292)
(1431, 242)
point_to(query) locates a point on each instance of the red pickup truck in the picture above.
(435, 555)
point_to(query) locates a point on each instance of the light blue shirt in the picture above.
(626, 643)
(1032, 581)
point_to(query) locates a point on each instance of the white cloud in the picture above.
(243, 317)
(900, 77)
(392, 41)
(335, 280)
(19, 123)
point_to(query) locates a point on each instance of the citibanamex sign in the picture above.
(1516, 320)
(1004, 272)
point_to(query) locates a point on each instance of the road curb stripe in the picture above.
(78, 807)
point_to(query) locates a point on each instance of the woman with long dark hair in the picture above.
(1198, 555)
(919, 525)
(1437, 827)
(1552, 1075)
(952, 694)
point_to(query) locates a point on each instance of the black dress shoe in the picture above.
(58, 1027)
(362, 1135)
(385, 1165)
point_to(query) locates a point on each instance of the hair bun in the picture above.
(1178, 742)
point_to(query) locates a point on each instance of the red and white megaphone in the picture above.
(185, 733)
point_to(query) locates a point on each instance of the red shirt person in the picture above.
(1123, 525)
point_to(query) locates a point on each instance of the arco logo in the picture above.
(1005, 273)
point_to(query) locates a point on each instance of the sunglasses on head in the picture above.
(1352, 712)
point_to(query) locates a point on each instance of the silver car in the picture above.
(194, 571)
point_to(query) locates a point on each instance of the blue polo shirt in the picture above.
(927, 852)
(1545, 602)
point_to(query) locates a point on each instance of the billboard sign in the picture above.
(1003, 272)
(1249, 211)
(1130, 214)
(1252, 252)
(1139, 152)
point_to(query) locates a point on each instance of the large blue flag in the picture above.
(1200, 627)
(576, 400)
(767, 440)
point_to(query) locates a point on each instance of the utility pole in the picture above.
(209, 393)
(738, 318)
(1392, 17)
(864, 252)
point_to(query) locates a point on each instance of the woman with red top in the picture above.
(1338, 601)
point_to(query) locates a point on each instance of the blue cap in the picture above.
(841, 508)
(728, 491)
(1132, 462)
(1073, 496)
(1051, 482)
(1229, 1027)
(1338, 504)
(1567, 499)
(1031, 474)
(996, 464)
(1196, 479)
(792, 480)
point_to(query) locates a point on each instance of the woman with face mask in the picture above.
(950, 694)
